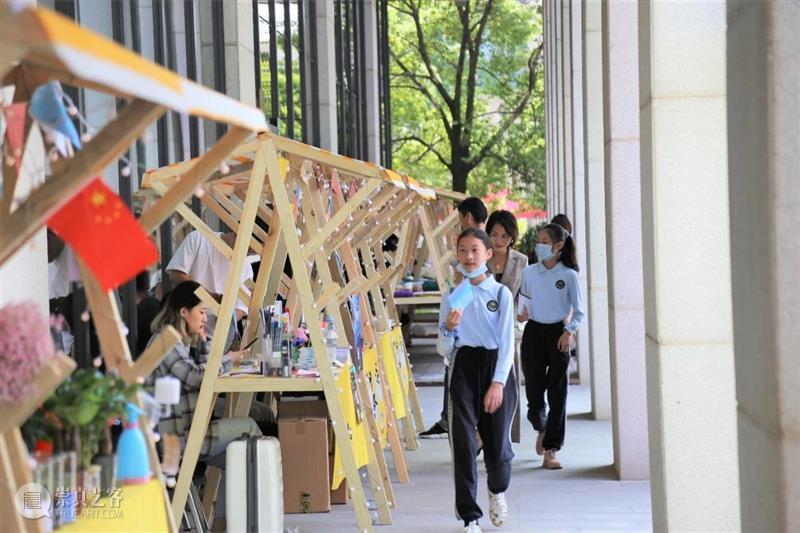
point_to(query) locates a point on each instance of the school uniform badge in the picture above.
(492, 305)
(560, 284)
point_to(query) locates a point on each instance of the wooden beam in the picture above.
(340, 217)
(192, 179)
(108, 325)
(204, 407)
(198, 224)
(106, 146)
(283, 206)
(155, 352)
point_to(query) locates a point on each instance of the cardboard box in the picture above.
(300, 407)
(310, 407)
(304, 454)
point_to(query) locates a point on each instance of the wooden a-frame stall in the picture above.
(37, 46)
(329, 214)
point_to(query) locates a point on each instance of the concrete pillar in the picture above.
(548, 103)
(567, 115)
(624, 238)
(24, 276)
(239, 57)
(688, 316)
(550, 106)
(595, 210)
(578, 214)
(326, 65)
(559, 107)
(372, 75)
(763, 156)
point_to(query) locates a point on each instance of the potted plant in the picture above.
(78, 415)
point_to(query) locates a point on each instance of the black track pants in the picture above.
(471, 375)
(545, 370)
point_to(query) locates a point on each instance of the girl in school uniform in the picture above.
(476, 333)
(550, 292)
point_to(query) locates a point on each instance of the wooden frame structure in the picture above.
(329, 215)
(437, 224)
(37, 46)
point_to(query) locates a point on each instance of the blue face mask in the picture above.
(478, 272)
(544, 251)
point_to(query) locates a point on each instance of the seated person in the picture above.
(186, 361)
(147, 308)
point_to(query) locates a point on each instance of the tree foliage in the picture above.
(467, 94)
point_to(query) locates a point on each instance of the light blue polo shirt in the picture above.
(553, 294)
(488, 322)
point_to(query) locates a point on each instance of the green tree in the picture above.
(467, 94)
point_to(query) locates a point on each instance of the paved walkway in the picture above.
(584, 496)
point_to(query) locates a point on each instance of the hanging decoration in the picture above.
(14, 115)
(47, 107)
(104, 233)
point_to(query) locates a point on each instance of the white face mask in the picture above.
(478, 272)
(544, 251)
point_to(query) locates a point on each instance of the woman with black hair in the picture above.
(507, 265)
(550, 293)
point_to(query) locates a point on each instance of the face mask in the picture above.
(478, 272)
(544, 251)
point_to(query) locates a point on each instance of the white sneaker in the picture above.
(498, 509)
(473, 527)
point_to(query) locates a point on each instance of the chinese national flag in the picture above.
(104, 234)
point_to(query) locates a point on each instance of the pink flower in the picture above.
(25, 345)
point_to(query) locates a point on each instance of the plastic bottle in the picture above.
(133, 463)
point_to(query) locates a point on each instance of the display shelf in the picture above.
(267, 384)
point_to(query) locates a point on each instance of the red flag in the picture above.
(15, 129)
(103, 232)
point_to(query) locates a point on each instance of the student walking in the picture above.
(476, 334)
(550, 292)
(472, 213)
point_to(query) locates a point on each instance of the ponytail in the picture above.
(568, 253)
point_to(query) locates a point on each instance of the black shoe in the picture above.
(436, 431)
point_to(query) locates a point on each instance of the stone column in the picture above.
(565, 29)
(237, 39)
(624, 238)
(558, 78)
(373, 102)
(578, 213)
(548, 114)
(595, 213)
(549, 110)
(763, 156)
(326, 64)
(688, 316)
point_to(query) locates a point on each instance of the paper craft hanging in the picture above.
(392, 375)
(376, 387)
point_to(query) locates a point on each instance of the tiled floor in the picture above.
(584, 496)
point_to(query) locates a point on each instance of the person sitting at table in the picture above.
(187, 361)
